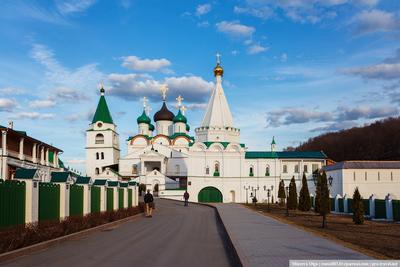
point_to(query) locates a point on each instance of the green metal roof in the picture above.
(143, 118)
(180, 117)
(224, 144)
(151, 127)
(102, 112)
(286, 155)
(59, 177)
(273, 141)
(175, 135)
(123, 184)
(22, 173)
(100, 182)
(187, 127)
(132, 183)
(82, 180)
(112, 183)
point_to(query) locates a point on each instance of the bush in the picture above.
(281, 192)
(304, 199)
(292, 201)
(358, 208)
(25, 235)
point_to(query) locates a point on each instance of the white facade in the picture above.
(172, 159)
(378, 178)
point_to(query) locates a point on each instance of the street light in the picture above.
(330, 180)
(287, 200)
(255, 189)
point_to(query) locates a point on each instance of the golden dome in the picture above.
(218, 70)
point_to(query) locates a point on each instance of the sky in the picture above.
(294, 69)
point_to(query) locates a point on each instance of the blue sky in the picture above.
(293, 68)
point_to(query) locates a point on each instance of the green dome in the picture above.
(151, 127)
(143, 118)
(187, 127)
(180, 118)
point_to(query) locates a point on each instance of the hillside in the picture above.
(377, 141)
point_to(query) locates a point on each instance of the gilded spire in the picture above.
(218, 70)
(102, 91)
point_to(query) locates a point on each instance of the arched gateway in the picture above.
(210, 194)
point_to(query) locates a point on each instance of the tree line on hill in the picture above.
(377, 141)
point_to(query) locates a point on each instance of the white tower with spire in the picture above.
(217, 125)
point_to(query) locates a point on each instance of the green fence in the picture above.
(396, 210)
(49, 201)
(12, 203)
(341, 205)
(350, 205)
(76, 200)
(110, 199)
(366, 206)
(95, 199)
(129, 197)
(332, 204)
(380, 209)
(120, 198)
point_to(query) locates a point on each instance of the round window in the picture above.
(99, 124)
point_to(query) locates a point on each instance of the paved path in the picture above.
(175, 236)
(264, 241)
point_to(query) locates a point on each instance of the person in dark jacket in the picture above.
(148, 201)
(186, 197)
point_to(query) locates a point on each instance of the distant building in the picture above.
(18, 150)
(379, 178)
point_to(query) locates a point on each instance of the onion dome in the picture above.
(151, 127)
(218, 70)
(164, 114)
(143, 118)
(187, 127)
(180, 117)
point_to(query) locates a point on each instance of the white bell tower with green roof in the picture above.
(102, 140)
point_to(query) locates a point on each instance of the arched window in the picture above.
(207, 170)
(177, 168)
(296, 168)
(102, 155)
(134, 169)
(216, 169)
(251, 171)
(97, 155)
(267, 171)
(284, 169)
(97, 171)
(99, 139)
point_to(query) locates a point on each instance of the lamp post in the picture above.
(247, 193)
(330, 180)
(287, 200)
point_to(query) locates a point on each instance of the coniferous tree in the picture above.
(292, 201)
(317, 192)
(304, 199)
(281, 192)
(358, 208)
(324, 205)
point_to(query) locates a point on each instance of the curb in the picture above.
(7, 256)
(233, 246)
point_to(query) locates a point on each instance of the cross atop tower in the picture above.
(183, 109)
(164, 89)
(144, 100)
(218, 55)
(147, 109)
(179, 99)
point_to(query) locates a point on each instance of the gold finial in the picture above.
(179, 99)
(147, 110)
(183, 109)
(144, 100)
(164, 89)
(102, 91)
(218, 70)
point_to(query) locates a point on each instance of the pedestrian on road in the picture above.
(149, 202)
(186, 197)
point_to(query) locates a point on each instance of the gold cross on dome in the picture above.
(179, 99)
(183, 109)
(144, 100)
(147, 110)
(218, 55)
(164, 89)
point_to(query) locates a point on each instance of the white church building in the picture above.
(213, 165)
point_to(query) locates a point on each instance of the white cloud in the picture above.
(74, 6)
(6, 104)
(136, 63)
(284, 57)
(75, 161)
(370, 21)
(203, 24)
(70, 94)
(256, 48)
(264, 12)
(364, 112)
(289, 116)
(31, 115)
(81, 116)
(235, 29)
(44, 103)
(11, 91)
(203, 9)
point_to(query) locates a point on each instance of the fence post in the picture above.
(103, 198)
(136, 194)
(337, 202)
(389, 207)
(345, 204)
(31, 201)
(116, 196)
(64, 200)
(372, 206)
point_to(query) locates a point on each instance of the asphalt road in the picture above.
(175, 236)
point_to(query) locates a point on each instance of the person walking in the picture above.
(186, 197)
(149, 201)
